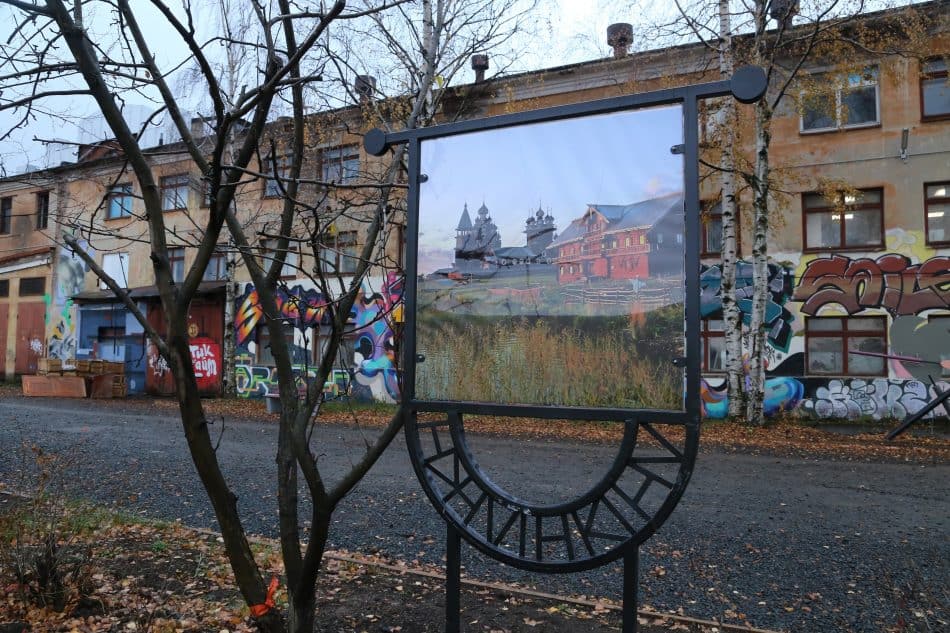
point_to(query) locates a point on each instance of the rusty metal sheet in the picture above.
(55, 386)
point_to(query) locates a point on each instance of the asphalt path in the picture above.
(783, 543)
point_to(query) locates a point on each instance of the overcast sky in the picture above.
(613, 159)
(578, 33)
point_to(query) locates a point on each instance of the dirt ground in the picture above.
(165, 578)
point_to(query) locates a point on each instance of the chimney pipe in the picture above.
(364, 86)
(783, 11)
(479, 65)
(620, 37)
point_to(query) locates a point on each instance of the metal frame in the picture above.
(462, 493)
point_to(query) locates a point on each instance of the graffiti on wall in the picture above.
(206, 360)
(891, 282)
(373, 366)
(878, 398)
(70, 278)
(258, 381)
(782, 393)
(777, 318)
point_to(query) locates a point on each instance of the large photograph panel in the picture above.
(551, 264)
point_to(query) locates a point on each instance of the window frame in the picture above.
(6, 215)
(119, 191)
(174, 260)
(705, 334)
(343, 262)
(179, 186)
(291, 261)
(274, 175)
(219, 261)
(123, 258)
(39, 291)
(321, 335)
(845, 334)
(42, 210)
(935, 200)
(930, 76)
(842, 88)
(262, 340)
(844, 209)
(4, 288)
(343, 155)
(711, 213)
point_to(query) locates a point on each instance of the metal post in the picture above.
(631, 564)
(453, 581)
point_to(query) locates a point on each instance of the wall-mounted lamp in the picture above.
(905, 135)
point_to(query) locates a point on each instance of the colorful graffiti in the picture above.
(780, 282)
(61, 328)
(782, 393)
(258, 381)
(891, 282)
(879, 398)
(373, 374)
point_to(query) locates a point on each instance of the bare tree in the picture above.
(238, 148)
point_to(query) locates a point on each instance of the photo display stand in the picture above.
(527, 317)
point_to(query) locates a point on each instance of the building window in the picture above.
(265, 355)
(942, 322)
(42, 209)
(217, 269)
(32, 286)
(176, 261)
(4, 287)
(340, 165)
(851, 101)
(174, 192)
(844, 221)
(116, 265)
(119, 201)
(205, 193)
(276, 177)
(711, 230)
(846, 346)
(338, 253)
(6, 215)
(934, 90)
(937, 212)
(291, 260)
(713, 339)
(344, 352)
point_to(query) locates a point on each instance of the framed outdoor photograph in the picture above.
(550, 264)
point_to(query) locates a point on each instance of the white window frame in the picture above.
(116, 265)
(862, 82)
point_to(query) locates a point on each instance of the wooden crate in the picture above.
(96, 367)
(110, 367)
(82, 365)
(48, 366)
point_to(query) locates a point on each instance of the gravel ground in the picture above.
(782, 543)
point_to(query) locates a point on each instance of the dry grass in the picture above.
(530, 362)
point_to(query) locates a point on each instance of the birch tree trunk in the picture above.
(732, 318)
(755, 391)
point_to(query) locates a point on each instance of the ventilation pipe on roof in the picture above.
(364, 86)
(479, 65)
(620, 37)
(782, 11)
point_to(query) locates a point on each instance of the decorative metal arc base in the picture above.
(631, 500)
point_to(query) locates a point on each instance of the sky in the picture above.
(579, 26)
(562, 166)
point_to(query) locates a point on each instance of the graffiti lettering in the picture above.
(781, 394)
(891, 282)
(877, 399)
